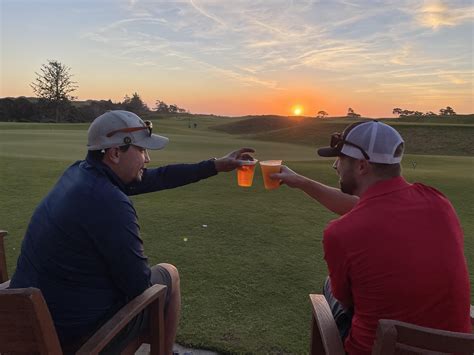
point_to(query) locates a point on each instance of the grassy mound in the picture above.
(426, 138)
(257, 124)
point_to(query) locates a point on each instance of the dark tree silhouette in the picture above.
(162, 107)
(448, 111)
(351, 113)
(53, 85)
(134, 104)
(173, 108)
(397, 111)
(321, 114)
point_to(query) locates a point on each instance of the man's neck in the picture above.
(368, 182)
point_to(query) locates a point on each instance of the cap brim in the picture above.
(153, 142)
(329, 152)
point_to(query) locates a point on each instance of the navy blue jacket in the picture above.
(82, 248)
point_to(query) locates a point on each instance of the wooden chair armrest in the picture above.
(155, 295)
(4, 286)
(325, 338)
(3, 260)
(472, 315)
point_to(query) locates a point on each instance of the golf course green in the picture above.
(248, 257)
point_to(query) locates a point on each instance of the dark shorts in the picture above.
(341, 315)
(159, 275)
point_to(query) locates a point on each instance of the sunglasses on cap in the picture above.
(337, 142)
(148, 125)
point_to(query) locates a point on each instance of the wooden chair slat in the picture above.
(420, 340)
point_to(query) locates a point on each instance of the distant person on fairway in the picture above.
(83, 248)
(396, 251)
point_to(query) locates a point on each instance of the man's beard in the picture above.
(349, 186)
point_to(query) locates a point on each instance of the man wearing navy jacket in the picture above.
(83, 248)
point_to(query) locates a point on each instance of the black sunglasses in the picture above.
(148, 125)
(337, 142)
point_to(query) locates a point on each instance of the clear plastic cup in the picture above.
(270, 167)
(245, 173)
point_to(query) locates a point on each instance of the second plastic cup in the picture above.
(245, 173)
(270, 167)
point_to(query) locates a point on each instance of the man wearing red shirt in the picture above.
(396, 252)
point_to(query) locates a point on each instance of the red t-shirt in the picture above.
(398, 254)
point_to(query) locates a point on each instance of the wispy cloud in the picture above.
(349, 3)
(269, 27)
(247, 41)
(259, 44)
(435, 14)
(454, 79)
(401, 56)
(95, 36)
(205, 13)
(140, 20)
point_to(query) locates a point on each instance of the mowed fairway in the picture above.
(248, 257)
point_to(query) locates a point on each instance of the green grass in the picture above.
(247, 275)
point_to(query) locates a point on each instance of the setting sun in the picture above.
(297, 110)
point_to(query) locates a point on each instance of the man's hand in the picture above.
(288, 176)
(234, 159)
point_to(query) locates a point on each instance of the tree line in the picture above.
(448, 111)
(54, 102)
(350, 114)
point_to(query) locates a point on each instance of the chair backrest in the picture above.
(26, 325)
(395, 337)
(325, 338)
(3, 259)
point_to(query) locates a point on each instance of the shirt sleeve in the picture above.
(119, 242)
(171, 176)
(338, 266)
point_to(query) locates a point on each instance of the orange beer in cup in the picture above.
(270, 167)
(245, 173)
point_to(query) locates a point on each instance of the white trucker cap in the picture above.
(374, 141)
(116, 128)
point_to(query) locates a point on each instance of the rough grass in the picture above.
(251, 257)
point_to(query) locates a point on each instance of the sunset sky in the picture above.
(236, 57)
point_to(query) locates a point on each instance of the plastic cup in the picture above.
(270, 167)
(245, 173)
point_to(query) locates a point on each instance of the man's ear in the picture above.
(363, 167)
(112, 155)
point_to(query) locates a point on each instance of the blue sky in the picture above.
(249, 57)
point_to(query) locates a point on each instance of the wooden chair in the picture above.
(3, 260)
(26, 325)
(393, 337)
(325, 338)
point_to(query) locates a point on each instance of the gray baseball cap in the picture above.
(374, 141)
(116, 128)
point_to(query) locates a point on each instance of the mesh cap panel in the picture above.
(377, 139)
